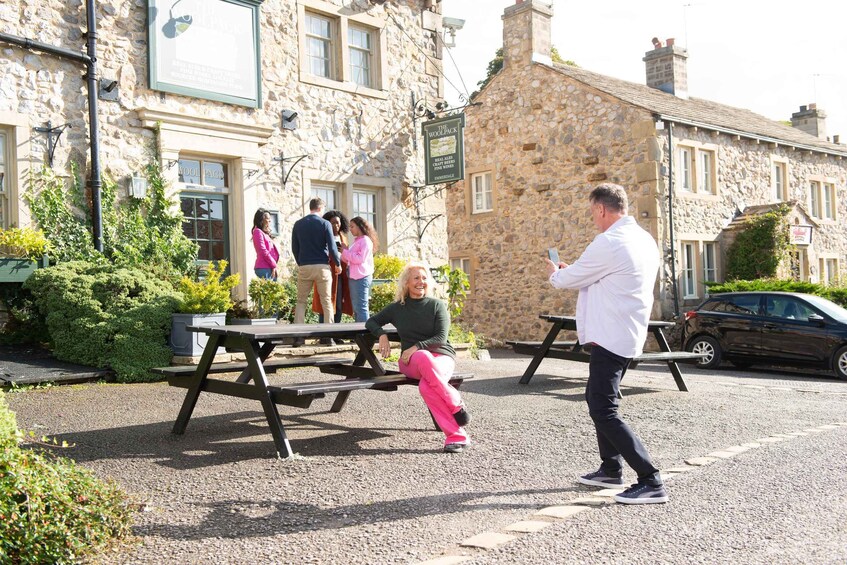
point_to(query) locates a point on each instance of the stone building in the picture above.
(546, 134)
(247, 103)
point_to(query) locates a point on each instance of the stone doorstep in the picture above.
(463, 351)
(487, 540)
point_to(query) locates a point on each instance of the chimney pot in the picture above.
(813, 106)
(836, 139)
(669, 42)
(656, 43)
(802, 108)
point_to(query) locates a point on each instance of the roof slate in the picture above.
(696, 111)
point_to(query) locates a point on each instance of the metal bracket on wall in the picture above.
(283, 159)
(423, 221)
(53, 135)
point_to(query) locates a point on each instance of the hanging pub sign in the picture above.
(206, 49)
(801, 235)
(444, 149)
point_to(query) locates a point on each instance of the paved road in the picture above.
(370, 485)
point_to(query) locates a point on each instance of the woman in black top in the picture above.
(423, 323)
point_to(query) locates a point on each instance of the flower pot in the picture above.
(18, 270)
(191, 344)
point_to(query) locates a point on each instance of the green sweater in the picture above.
(423, 322)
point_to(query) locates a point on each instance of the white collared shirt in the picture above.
(615, 276)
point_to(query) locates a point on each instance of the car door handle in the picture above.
(771, 325)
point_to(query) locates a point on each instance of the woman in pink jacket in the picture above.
(267, 253)
(360, 260)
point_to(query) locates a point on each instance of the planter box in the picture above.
(191, 344)
(19, 270)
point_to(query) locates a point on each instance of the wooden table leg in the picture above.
(365, 343)
(542, 352)
(264, 352)
(253, 352)
(672, 365)
(196, 385)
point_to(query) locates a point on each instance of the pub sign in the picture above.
(444, 149)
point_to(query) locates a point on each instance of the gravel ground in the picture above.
(370, 484)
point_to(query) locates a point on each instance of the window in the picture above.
(739, 304)
(481, 188)
(327, 193)
(697, 169)
(787, 308)
(361, 55)
(829, 270)
(319, 46)
(828, 201)
(685, 166)
(780, 181)
(364, 205)
(4, 181)
(462, 264)
(204, 206)
(710, 271)
(797, 265)
(341, 49)
(815, 199)
(689, 280)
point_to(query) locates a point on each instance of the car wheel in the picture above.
(709, 348)
(741, 364)
(839, 363)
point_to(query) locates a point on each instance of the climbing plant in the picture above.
(759, 249)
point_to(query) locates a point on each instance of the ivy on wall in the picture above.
(759, 249)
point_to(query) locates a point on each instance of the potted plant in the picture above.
(268, 302)
(22, 250)
(204, 302)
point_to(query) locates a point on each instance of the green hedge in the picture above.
(105, 316)
(51, 510)
(837, 294)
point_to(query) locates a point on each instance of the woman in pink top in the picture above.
(267, 254)
(360, 259)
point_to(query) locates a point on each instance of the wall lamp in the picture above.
(289, 120)
(138, 187)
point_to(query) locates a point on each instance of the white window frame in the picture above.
(686, 168)
(830, 270)
(371, 215)
(343, 72)
(710, 261)
(828, 202)
(780, 187)
(360, 75)
(697, 165)
(328, 192)
(329, 41)
(463, 263)
(815, 198)
(688, 270)
(481, 192)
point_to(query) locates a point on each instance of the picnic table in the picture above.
(573, 350)
(257, 343)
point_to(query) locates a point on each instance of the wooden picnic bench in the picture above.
(257, 344)
(573, 350)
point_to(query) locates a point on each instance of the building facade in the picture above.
(245, 103)
(546, 134)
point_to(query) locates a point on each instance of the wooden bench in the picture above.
(270, 365)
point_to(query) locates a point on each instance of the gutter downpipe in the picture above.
(89, 59)
(670, 220)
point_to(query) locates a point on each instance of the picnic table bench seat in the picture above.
(238, 366)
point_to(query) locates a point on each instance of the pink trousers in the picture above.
(434, 370)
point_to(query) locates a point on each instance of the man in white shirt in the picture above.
(615, 276)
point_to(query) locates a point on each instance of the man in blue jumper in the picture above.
(311, 243)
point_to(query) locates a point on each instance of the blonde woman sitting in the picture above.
(422, 323)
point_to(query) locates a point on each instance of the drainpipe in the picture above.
(670, 220)
(89, 59)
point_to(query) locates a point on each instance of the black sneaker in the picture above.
(455, 447)
(327, 341)
(643, 494)
(462, 417)
(299, 342)
(600, 479)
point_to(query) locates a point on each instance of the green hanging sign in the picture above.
(444, 149)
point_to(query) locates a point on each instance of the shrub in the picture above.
(269, 298)
(209, 295)
(459, 334)
(760, 248)
(290, 287)
(106, 316)
(24, 243)
(833, 293)
(51, 510)
(381, 296)
(457, 288)
(388, 266)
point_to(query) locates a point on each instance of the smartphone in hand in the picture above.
(553, 254)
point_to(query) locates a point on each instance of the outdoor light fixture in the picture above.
(138, 187)
(289, 120)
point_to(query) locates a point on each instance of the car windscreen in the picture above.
(829, 308)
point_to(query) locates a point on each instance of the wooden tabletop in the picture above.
(572, 319)
(281, 331)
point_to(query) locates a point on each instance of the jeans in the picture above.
(264, 273)
(615, 439)
(360, 294)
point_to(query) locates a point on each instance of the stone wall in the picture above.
(348, 137)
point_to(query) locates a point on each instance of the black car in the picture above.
(773, 328)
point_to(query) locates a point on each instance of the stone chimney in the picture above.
(667, 68)
(811, 120)
(526, 33)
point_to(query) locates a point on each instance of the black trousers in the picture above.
(615, 439)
